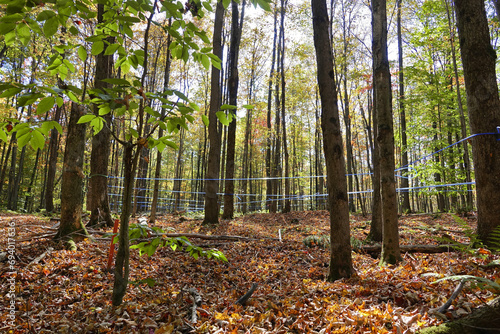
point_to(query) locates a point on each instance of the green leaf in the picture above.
(6, 27)
(45, 15)
(227, 107)
(37, 140)
(205, 120)
(205, 61)
(248, 106)
(97, 48)
(111, 49)
(24, 138)
(97, 124)
(11, 92)
(50, 27)
(45, 105)
(117, 81)
(264, 4)
(86, 118)
(3, 136)
(82, 53)
(24, 33)
(222, 118)
(72, 96)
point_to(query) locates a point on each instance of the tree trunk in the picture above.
(385, 134)
(213, 165)
(97, 196)
(340, 249)
(405, 192)
(52, 165)
(234, 49)
(483, 105)
(71, 226)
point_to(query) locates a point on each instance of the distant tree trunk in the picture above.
(270, 195)
(97, 196)
(52, 164)
(233, 81)
(405, 192)
(213, 165)
(479, 59)
(178, 172)
(340, 249)
(28, 202)
(166, 82)
(287, 204)
(385, 134)
(71, 226)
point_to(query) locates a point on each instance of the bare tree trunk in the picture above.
(340, 251)
(233, 81)
(71, 226)
(51, 168)
(385, 134)
(479, 60)
(213, 165)
(97, 196)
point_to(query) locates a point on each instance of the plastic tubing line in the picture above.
(451, 145)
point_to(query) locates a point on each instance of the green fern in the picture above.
(494, 239)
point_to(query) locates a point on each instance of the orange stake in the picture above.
(112, 246)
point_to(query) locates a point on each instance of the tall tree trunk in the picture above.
(340, 249)
(405, 193)
(71, 225)
(376, 226)
(97, 196)
(234, 49)
(483, 105)
(270, 195)
(463, 123)
(166, 82)
(213, 165)
(385, 134)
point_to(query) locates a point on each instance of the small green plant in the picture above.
(475, 281)
(470, 248)
(494, 239)
(156, 238)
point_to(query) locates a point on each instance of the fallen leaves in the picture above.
(70, 292)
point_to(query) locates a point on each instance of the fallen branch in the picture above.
(453, 296)
(243, 299)
(196, 302)
(428, 249)
(40, 257)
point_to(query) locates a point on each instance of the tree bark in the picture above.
(71, 226)
(213, 164)
(483, 105)
(52, 164)
(234, 49)
(385, 134)
(340, 249)
(97, 196)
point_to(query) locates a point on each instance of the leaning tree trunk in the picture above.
(340, 249)
(483, 105)
(385, 135)
(71, 226)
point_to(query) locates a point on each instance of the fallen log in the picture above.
(428, 249)
(484, 320)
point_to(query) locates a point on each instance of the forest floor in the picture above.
(70, 291)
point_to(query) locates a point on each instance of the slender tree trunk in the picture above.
(385, 134)
(71, 225)
(213, 165)
(52, 165)
(233, 81)
(483, 105)
(405, 193)
(340, 251)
